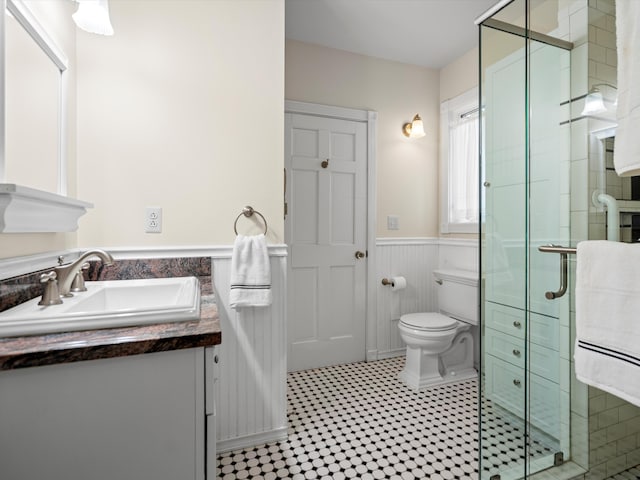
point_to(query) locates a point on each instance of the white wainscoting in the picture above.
(415, 259)
(251, 392)
(458, 254)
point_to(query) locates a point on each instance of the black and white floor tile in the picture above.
(358, 421)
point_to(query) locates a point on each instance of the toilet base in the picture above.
(424, 369)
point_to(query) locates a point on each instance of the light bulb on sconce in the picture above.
(594, 101)
(93, 16)
(415, 129)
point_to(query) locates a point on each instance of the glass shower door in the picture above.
(524, 421)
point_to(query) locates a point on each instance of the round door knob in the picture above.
(359, 254)
(516, 352)
(516, 382)
(516, 324)
(325, 163)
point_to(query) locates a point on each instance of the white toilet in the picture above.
(440, 345)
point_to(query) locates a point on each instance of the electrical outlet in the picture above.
(393, 222)
(153, 220)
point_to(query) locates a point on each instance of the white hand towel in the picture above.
(627, 152)
(250, 273)
(607, 352)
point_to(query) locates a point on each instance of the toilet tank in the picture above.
(457, 292)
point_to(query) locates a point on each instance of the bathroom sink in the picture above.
(107, 304)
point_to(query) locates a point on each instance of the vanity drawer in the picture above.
(543, 330)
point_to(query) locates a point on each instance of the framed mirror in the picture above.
(33, 149)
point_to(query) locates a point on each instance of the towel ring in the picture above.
(248, 212)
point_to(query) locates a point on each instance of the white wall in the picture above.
(407, 169)
(460, 75)
(182, 109)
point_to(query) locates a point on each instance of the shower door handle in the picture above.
(563, 251)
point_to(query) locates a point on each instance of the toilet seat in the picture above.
(428, 322)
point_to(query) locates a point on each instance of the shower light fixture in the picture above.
(93, 16)
(594, 102)
(415, 129)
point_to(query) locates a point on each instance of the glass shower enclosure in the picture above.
(525, 204)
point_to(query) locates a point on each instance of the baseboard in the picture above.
(251, 440)
(373, 355)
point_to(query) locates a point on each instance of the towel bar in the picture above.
(248, 211)
(556, 249)
(563, 251)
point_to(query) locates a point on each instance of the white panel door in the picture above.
(326, 168)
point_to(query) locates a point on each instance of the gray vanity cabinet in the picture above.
(138, 417)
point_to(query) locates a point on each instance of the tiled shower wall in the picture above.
(614, 425)
(605, 429)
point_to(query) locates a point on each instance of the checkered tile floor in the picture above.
(359, 421)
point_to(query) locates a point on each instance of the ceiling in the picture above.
(430, 33)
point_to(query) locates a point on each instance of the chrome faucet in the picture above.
(67, 273)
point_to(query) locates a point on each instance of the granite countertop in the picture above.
(50, 349)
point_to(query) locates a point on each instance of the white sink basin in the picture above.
(108, 304)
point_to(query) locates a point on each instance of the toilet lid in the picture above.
(431, 321)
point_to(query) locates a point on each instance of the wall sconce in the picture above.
(93, 16)
(594, 102)
(415, 129)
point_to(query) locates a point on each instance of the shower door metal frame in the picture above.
(530, 38)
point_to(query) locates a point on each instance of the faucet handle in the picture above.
(51, 295)
(78, 281)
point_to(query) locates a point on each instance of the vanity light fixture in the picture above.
(594, 102)
(93, 16)
(415, 129)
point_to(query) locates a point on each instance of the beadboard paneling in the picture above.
(458, 254)
(251, 388)
(413, 259)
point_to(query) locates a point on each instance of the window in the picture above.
(459, 122)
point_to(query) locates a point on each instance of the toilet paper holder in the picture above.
(396, 283)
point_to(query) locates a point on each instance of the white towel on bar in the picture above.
(626, 156)
(607, 351)
(250, 272)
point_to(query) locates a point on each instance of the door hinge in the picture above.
(284, 194)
